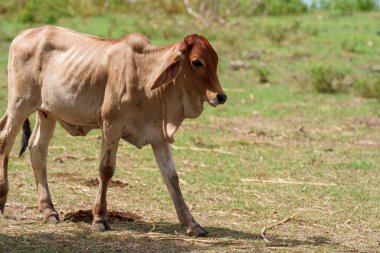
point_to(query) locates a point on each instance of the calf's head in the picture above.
(194, 64)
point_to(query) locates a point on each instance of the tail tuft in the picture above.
(26, 132)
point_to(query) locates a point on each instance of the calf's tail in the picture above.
(26, 132)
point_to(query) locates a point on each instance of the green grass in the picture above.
(279, 131)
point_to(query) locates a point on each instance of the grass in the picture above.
(278, 131)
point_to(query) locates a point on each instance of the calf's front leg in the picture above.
(106, 171)
(165, 162)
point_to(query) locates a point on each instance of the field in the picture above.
(278, 155)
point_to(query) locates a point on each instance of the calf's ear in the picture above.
(169, 73)
(171, 69)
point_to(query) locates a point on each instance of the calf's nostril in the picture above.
(221, 98)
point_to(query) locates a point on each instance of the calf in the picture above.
(128, 88)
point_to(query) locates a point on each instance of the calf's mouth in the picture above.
(216, 99)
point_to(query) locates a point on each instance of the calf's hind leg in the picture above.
(38, 146)
(9, 127)
(3, 166)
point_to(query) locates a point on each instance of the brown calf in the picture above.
(128, 88)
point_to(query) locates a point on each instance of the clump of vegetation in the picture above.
(279, 8)
(49, 11)
(366, 5)
(42, 11)
(262, 73)
(326, 79)
(278, 34)
(204, 11)
(312, 30)
(345, 7)
(352, 46)
(368, 87)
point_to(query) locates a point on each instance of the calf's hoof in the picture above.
(100, 226)
(196, 230)
(2, 207)
(51, 217)
(3, 198)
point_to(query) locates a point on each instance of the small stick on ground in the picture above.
(161, 237)
(320, 226)
(90, 158)
(66, 157)
(204, 150)
(348, 226)
(280, 181)
(153, 228)
(265, 229)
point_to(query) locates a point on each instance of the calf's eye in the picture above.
(197, 63)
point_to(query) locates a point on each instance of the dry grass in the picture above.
(234, 212)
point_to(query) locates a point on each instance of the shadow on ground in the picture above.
(122, 240)
(225, 233)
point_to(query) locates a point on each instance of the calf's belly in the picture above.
(72, 111)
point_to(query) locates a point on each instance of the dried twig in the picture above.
(153, 228)
(164, 237)
(265, 229)
(89, 158)
(67, 157)
(204, 150)
(348, 226)
(280, 181)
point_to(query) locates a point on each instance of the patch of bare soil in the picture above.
(92, 182)
(65, 175)
(112, 216)
(367, 121)
(112, 183)
(63, 159)
(75, 177)
(300, 55)
(367, 143)
(117, 183)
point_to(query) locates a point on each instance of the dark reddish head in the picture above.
(202, 62)
(195, 65)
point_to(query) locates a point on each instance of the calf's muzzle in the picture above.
(221, 98)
